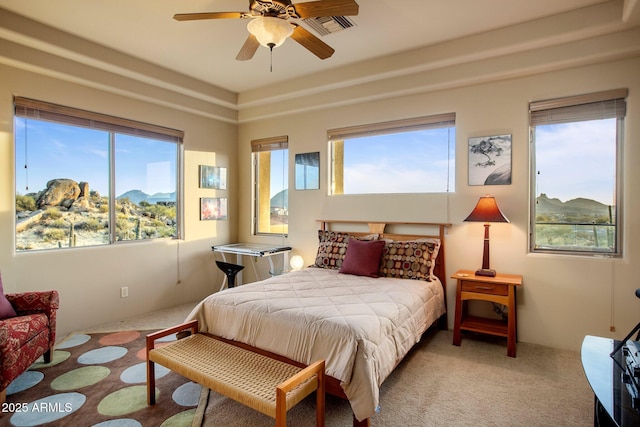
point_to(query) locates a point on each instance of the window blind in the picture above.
(593, 106)
(40, 110)
(395, 126)
(270, 144)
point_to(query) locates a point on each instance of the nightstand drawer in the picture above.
(484, 288)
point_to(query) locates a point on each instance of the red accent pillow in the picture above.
(332, 248)
(363, 257)
(6, 309)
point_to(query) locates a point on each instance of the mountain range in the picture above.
(137, 196)
(579, 208)
(280, 200)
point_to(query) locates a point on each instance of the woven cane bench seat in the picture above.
(269, 386)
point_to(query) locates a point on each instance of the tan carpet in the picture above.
(439, 384)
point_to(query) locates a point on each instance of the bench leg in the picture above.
(151, 382)
(281, 408)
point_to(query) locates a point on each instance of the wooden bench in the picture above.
(267, 385)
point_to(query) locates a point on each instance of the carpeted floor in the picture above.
(437, 384)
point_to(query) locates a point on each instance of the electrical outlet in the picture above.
(124, 292)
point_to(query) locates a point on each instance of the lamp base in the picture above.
(485, 272)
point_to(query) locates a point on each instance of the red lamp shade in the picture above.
(486, 211)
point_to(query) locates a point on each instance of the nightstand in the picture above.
(500, 289)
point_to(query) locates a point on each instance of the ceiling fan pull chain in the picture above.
(271, 45)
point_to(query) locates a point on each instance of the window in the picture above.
(404, 156)
(576, 173)
(271, 178)
(80, 173)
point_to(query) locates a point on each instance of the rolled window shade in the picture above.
(594, 106)
(396, 126)
(270, 144)
(40, 110)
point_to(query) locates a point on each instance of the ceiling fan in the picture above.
(273, 21)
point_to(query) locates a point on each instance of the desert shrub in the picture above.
(53, 235)
(91, 224)
(165, 232)
(160, 211)
(58, 223)
(52, 213)
(157, 223)
(25, 203)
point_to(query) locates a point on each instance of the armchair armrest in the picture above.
(35, 302)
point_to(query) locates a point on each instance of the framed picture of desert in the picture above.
(490, 160)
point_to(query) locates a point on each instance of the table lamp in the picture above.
(486, 211)
(297, 262)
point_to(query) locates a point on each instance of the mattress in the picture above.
(361, 326)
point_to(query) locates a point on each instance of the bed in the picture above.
(361, 316)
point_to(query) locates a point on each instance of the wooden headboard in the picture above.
(434, 230)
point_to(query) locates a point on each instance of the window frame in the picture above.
(593, 106)
(28, 108)
(340, 135)
(261, 146)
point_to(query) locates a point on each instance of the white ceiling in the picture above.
(206, 50)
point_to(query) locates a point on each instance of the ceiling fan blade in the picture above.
(314, 9)
(208, 15)
(248, 49)
(312, 43)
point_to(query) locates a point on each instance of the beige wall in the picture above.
(563, 298)
(159, 273)
(487, 80)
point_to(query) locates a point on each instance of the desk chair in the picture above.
(231, 270)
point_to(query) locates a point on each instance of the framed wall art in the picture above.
(308, 171)
(213, 208)
(490, 160)
(213, 177)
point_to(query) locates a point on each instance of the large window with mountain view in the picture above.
(271, 185)
(86, 179)
(414, 155)
(576, 174)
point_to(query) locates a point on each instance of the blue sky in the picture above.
(412, 162)
(577, 160)
(81, 154)
(279, 172)
(572, 159)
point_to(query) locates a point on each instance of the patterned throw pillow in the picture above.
(332, 248)
(414, 259)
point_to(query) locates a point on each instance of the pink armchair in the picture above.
(27, 336)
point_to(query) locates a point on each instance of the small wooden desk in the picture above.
(500, 289)
(253, 250)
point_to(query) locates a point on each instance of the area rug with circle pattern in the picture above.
(100, 380)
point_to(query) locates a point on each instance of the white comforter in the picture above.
(361, 326)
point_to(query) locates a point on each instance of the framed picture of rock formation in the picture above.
(490, 160)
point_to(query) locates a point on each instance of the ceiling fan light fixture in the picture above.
(270, 31)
